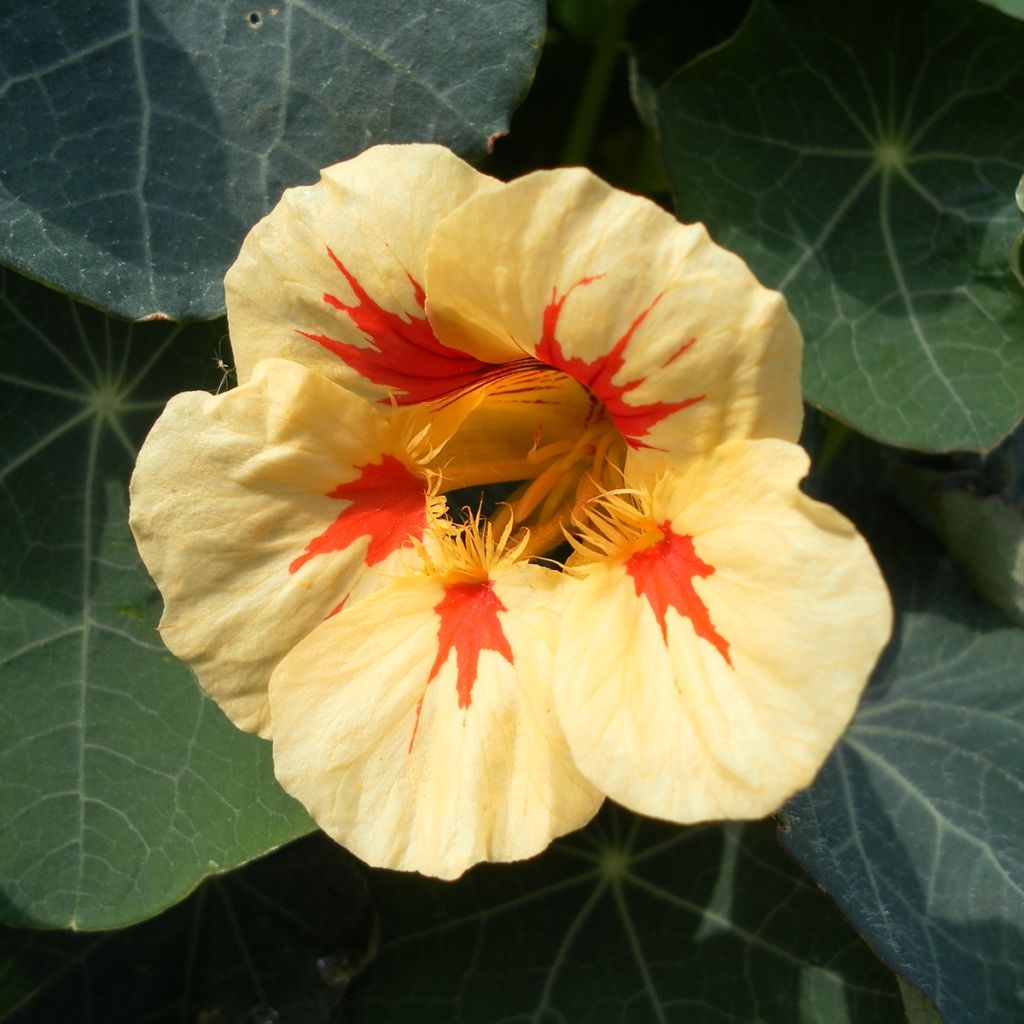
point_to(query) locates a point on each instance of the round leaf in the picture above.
(915, 826)
(863, 157)
(142, 140)
(122, 785)
(630, 920)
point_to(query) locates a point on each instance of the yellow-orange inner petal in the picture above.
(537, 427)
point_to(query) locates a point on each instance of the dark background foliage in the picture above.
(863, 158)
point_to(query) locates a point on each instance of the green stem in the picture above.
(595, 88)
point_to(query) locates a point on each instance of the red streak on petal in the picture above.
(469, 625)
(663, 573)
(387, 502)
(404, 354)
(633, 421)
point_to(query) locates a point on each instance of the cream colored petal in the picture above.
(728, 715)
(439, 786)
(365, 225)
(228, 500)
(673, 333)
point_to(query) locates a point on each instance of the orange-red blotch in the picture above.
(634, 422)
(387, 503)
(663, 574)
(469, 625)
(404, 354)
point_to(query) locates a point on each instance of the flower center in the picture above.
(466, 552)
(544, 434)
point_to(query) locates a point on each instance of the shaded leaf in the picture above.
(275, 943)
(142, 140)
(628, 921)
(916, 824)
(1015, 8)
(975, 506)
(986, 535)
(1017, 250)
(664, 35)
(862, 157)
(122, 785)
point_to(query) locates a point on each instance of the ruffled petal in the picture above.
(417, 725)
(332, 277)
(673, 334)
(709, 674)
(257, 511)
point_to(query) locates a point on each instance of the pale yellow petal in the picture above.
(365, 226)
(671, 332)
(718, 690)
(229, 497)
(395, 766)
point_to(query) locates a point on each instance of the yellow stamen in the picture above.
(611, 526)
(509, 434)
(495, 471)
(467, 552)
(583, 448)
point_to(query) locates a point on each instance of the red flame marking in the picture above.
(663, 573)
(404, 354)
(469, 625)
(388, 503)
(634, 421)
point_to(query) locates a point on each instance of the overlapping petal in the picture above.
(333, 276)
(673, 334)
(708, 673)
(436, 699)
(257, 512)
(417, 725)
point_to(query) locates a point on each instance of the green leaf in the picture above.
(862, 157)
(1015, 8)
(122, 785)
(142, 141)
(1017, 250)
(274, 943)
(915, 826)
(630, 920)
(986, 535)
(919, 1009)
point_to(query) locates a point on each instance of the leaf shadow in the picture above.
(276, 942)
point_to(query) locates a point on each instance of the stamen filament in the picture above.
(499, 471)
(585, 446)
(538, 490)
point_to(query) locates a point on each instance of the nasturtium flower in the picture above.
(653, 610)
